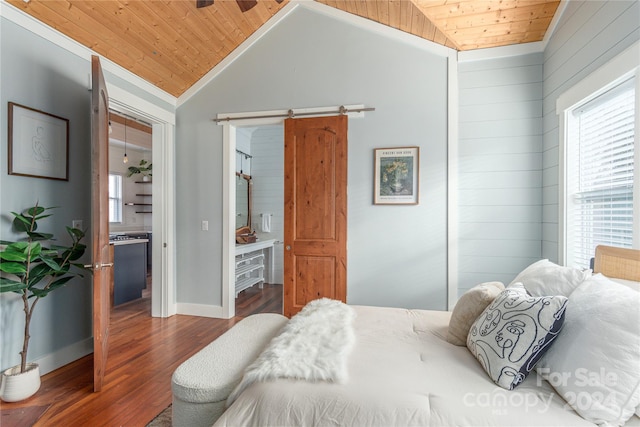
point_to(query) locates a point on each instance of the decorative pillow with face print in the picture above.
(514, 332)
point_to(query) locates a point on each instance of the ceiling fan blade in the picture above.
(245, 5)
(203, 3)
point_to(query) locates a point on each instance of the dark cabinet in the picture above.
(147, 236)
(130, 271)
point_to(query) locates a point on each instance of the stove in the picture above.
(120, 237)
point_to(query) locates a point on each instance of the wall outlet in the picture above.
(205, 225)
(77, 223)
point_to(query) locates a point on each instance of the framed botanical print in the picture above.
(396, 180)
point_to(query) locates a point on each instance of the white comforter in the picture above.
(402, 372)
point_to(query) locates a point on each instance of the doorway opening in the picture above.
(259, 210)
(162, 185)
(232, 124)
(130, 209)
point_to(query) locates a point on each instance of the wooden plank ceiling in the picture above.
(172, 44)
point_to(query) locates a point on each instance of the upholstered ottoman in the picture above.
(202, 383)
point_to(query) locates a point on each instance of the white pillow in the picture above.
(513, 332)
(544, 278)
(595, 363)
(628, 283)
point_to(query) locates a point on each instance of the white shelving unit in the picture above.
(249, 270)
(254, 261)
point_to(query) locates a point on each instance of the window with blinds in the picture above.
(115, 198)
(600, 173)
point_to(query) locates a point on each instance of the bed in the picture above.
(400, 367)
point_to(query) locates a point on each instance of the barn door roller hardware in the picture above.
(292, 113)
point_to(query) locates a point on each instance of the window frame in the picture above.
(622, 67)
(120, 199)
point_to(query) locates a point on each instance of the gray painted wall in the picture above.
(500, 168)
(38, 74)
(396, 254)
(589, 34)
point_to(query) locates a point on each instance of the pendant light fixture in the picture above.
(125, 159)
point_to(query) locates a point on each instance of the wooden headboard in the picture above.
(617, 262)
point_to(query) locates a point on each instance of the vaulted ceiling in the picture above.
(173, 43)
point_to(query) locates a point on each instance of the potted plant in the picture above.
(144, 168)
(32, 268)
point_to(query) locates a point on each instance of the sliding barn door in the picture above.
(315, 213)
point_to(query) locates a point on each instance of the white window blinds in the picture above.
(600, 173)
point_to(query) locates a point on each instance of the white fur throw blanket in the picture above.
(312, 346)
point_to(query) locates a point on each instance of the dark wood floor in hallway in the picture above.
(143, 353)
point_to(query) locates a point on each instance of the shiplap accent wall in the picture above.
(243, 143)
(589, 34)
(500, 168)
(267, 148)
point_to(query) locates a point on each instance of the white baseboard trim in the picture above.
(201, 310)
(64, 356)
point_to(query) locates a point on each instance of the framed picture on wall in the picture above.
(396, 180)
(38, 143)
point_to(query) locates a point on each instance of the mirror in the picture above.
(243, 200)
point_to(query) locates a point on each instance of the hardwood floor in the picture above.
(143, 353)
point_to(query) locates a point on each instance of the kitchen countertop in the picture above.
(243, 248)
(127, 242)
(113, 233)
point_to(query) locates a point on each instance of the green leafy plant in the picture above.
(32, 268)
(144, 168)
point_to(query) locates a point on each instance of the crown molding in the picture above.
(500, 52)
(553, 25)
